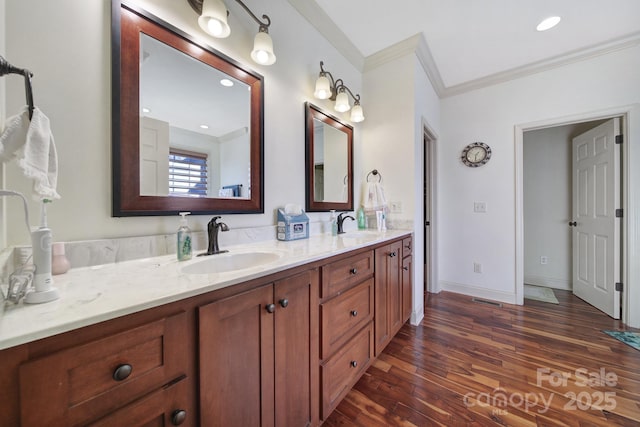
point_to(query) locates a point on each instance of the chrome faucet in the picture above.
(340, 221)
(213, 228)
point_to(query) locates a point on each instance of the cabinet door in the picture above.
(388, 294)
(236, 360)
(296, 350)
(407, 287)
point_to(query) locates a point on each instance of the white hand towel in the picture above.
(31, 143)
(375, 199)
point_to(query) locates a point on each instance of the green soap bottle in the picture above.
(362, 219)
(184, 249)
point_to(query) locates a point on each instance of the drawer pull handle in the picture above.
(178, 416)
(405, 268)
(408, 247)
(354, 313)
(353, 271)
(353, 363)
(122, 372)
(392, 254)
(284, 302)
(270, 308)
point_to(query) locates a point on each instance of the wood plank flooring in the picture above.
(472, 364)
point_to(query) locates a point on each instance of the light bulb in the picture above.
(263, 49)
(213, 19)
(323, 88)
(356, 114)
(342, 103)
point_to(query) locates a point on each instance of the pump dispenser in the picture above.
(184, 249)
(42, 282)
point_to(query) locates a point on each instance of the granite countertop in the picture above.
(94, 294)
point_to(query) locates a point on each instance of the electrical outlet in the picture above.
(477, 267)
(544, 260)
(480, 207)
(395, 207)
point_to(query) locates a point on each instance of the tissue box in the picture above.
(292, 227)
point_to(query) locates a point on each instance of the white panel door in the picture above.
(596, 230)
(154, 157)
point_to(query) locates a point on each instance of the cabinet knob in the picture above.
(270, 308)
(408, 247)
(122, 372)
(392, 254)
(353, 363)
(284, 302)
(353, 271)
(573, 224)
(178, 416)
(354, 313)
(405, 268)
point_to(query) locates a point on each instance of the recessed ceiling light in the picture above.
(226, 82)
(204, 127)
(548, 23)
(145, 110)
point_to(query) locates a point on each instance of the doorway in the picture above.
(428, 197)
(553, 222)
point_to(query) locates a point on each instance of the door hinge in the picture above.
(619, 139)
(619, 213)
(619, 286)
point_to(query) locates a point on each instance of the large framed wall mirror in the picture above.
(187, 123)
(329, 162)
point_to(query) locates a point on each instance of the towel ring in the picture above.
(375, 173)
(344, 181)
(7, 68)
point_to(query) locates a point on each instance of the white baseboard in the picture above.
(475, 291)
(416, 317)
(549, 282)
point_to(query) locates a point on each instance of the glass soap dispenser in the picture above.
(184, 249)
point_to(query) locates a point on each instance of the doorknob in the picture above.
(573, 224)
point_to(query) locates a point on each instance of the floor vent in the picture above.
(487, 302)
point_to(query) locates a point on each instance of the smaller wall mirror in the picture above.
(329, 162)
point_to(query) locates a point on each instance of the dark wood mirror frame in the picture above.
(314, 113)
(128, 21)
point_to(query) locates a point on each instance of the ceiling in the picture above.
(472, 43)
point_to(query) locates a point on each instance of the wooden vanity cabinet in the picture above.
(258, 355)
(140, 374)
(346, 319)
(388, 293)
(407, 278)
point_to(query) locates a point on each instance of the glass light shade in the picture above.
(356, 113)
(342, 103)
(213, 19)
(323, 88)
(262, 52)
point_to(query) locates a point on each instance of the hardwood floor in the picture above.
(472, 364)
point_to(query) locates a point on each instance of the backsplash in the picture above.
(86, 253)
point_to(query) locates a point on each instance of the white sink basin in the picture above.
(225, 262)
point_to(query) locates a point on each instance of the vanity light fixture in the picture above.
(213, 20)
(334, 89)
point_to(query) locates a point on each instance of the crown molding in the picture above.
(319, 19)
(544, 65)
(413, 45)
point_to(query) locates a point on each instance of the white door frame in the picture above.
(630, 240)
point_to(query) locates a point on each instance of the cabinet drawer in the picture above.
(344, 369)
(343, 315)
(166, 406)
(407, 246)
(340, 275)
(87, 381)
